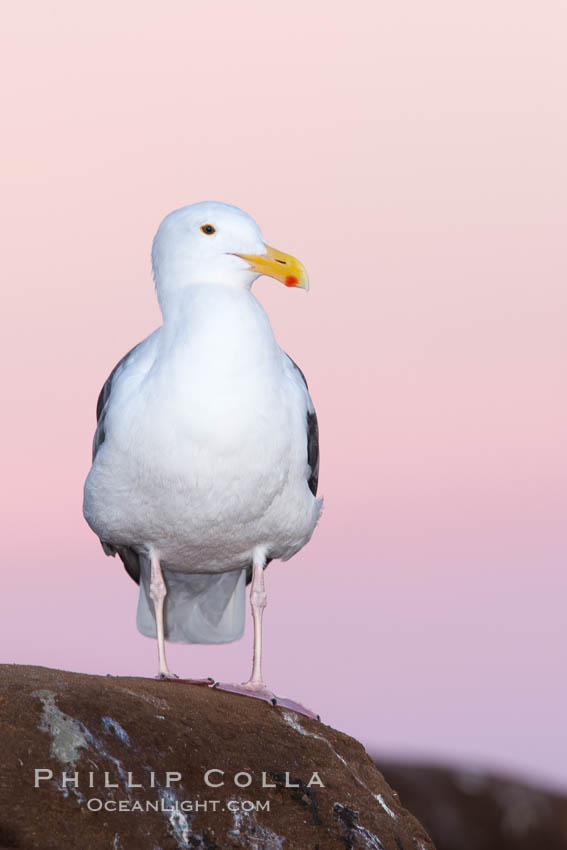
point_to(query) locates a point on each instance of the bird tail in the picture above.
(198, 608)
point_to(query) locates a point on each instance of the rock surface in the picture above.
(470, 810)
(127, 732)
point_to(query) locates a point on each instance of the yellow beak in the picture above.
(276, 264)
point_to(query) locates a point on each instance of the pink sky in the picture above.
(413, 156)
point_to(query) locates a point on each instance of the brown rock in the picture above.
(467, 809)
(132, 732)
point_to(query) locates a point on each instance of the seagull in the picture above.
(206, 449)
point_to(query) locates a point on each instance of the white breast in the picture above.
(205, 455)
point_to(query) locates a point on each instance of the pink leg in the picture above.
(258, 601)
(255, 686)
(158, 592)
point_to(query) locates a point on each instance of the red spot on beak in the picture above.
(291, 280)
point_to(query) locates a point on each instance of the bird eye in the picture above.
(208, 229)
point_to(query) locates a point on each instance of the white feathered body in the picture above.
(204, 460)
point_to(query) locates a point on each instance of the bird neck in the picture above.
(174, 292)
(217, 320)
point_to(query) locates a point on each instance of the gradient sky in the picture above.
(413, 156)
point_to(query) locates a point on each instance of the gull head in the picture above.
(217, 244)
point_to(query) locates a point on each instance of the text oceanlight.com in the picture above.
(95, 804)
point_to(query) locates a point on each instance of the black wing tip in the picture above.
(312, 438)
(313, 450)
(127, 555)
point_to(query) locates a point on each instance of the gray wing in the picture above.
(312, 436)
(128, 555)
(103, 398)
(312, 428)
